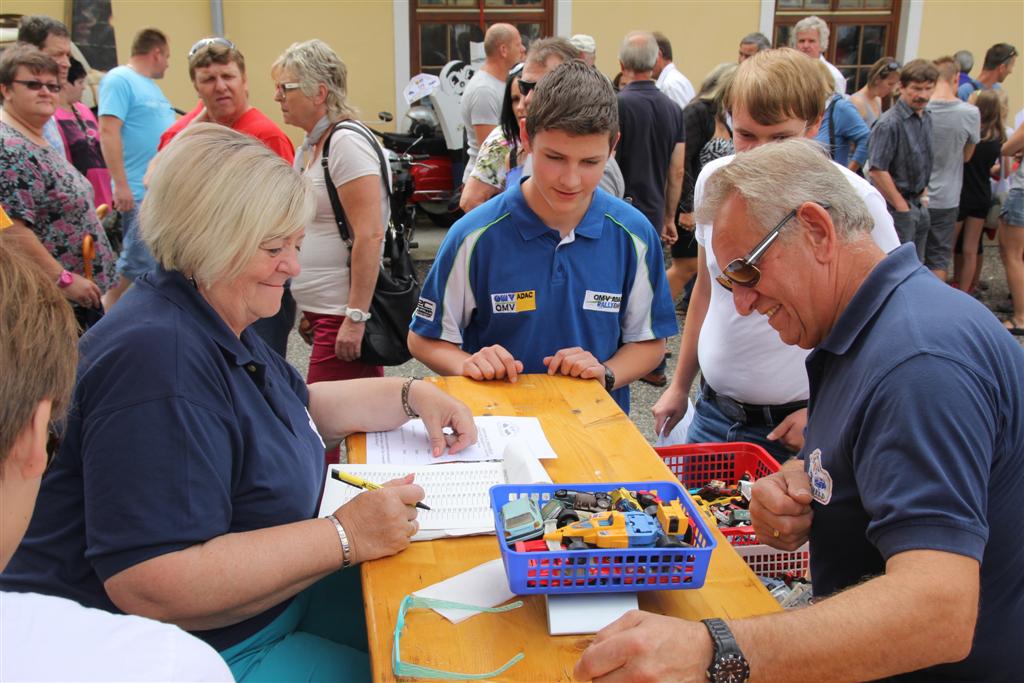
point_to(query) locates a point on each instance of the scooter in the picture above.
(432, 133)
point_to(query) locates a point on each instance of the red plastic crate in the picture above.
(695, 464)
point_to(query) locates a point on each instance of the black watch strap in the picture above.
(728, 665)
(609, 379)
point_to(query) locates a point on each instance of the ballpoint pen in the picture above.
(352, 480)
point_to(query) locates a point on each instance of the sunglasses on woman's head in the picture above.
(891, 67)
(36, 86)
(743, 272)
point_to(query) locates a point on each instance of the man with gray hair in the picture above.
(810, 36)
(651, 151)
(481, 101)
(752, 43)
(668, 78)
(911, 474)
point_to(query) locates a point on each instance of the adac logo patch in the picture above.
(514, 302)
(821, 480)
(425, 309)
(605, 302)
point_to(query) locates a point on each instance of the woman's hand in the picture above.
(83, 292)
(348, 344)
(438, 410)
(380, 523)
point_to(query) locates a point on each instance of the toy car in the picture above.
(612, 529)
(581, 500)
(560, 511)
(522, 521)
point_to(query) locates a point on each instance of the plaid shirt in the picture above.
(901, 143)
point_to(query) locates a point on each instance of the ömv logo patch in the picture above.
(514, 302)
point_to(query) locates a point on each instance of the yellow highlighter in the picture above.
(353, 480)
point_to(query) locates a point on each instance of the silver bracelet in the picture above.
(405, 398)
(346, 549)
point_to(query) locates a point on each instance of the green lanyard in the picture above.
(406, 670)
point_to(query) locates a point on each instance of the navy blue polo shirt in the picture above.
(502, 276)
(915, 440)
(651, 125)
(179, 432)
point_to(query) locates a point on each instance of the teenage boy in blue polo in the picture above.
(553, 275)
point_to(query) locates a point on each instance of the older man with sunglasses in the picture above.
(753, 387)
(913, 474)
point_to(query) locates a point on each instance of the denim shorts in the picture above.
(135, 259)
(1013, 207)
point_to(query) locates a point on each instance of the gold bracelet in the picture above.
(405, 398)
(346, 549)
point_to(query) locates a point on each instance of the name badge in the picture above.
(821, 480)
(514, 302)
(605, 302)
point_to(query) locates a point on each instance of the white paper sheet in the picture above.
(484, 585)
(409, 445)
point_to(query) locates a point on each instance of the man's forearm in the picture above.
(634, 360)
(674, 185)
(887, 188)
(901, 621)
(113, 155)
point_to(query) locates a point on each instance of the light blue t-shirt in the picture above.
(145, 114)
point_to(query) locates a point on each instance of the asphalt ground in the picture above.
(642, 396)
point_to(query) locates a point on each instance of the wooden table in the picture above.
(596, 442)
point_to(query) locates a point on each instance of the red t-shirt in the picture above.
(253, 122)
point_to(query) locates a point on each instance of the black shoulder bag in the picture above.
(397, 291)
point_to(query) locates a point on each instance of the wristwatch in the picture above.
(65, 279)
(356, 315)
(609, 379)
(728, 665)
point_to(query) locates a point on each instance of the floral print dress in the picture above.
(39, 187)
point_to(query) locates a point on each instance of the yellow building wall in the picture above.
(948, 26)
(704, 33)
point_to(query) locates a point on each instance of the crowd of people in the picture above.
(810, 234)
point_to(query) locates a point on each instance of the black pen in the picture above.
(352, 480)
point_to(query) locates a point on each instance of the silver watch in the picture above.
(356, 315)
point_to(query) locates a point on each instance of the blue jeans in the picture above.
(135, 259)
(710, 425)
(320, 637)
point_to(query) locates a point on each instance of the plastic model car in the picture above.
(521, 520)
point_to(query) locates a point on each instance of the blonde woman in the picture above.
(188, 481)
(883, 79)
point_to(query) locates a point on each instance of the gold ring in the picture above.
(775, 533)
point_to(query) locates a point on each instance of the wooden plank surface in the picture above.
(596, 442)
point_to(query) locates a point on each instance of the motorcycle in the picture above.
(432, 138)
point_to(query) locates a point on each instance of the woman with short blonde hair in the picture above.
(188, 480)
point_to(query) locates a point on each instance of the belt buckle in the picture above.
(732, 409)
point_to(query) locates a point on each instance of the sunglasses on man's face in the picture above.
(526, 86)
(36, 86)
(743, 272)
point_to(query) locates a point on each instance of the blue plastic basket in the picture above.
(601, 570)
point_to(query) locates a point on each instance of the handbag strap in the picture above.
(832, 126)
(332, 190)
